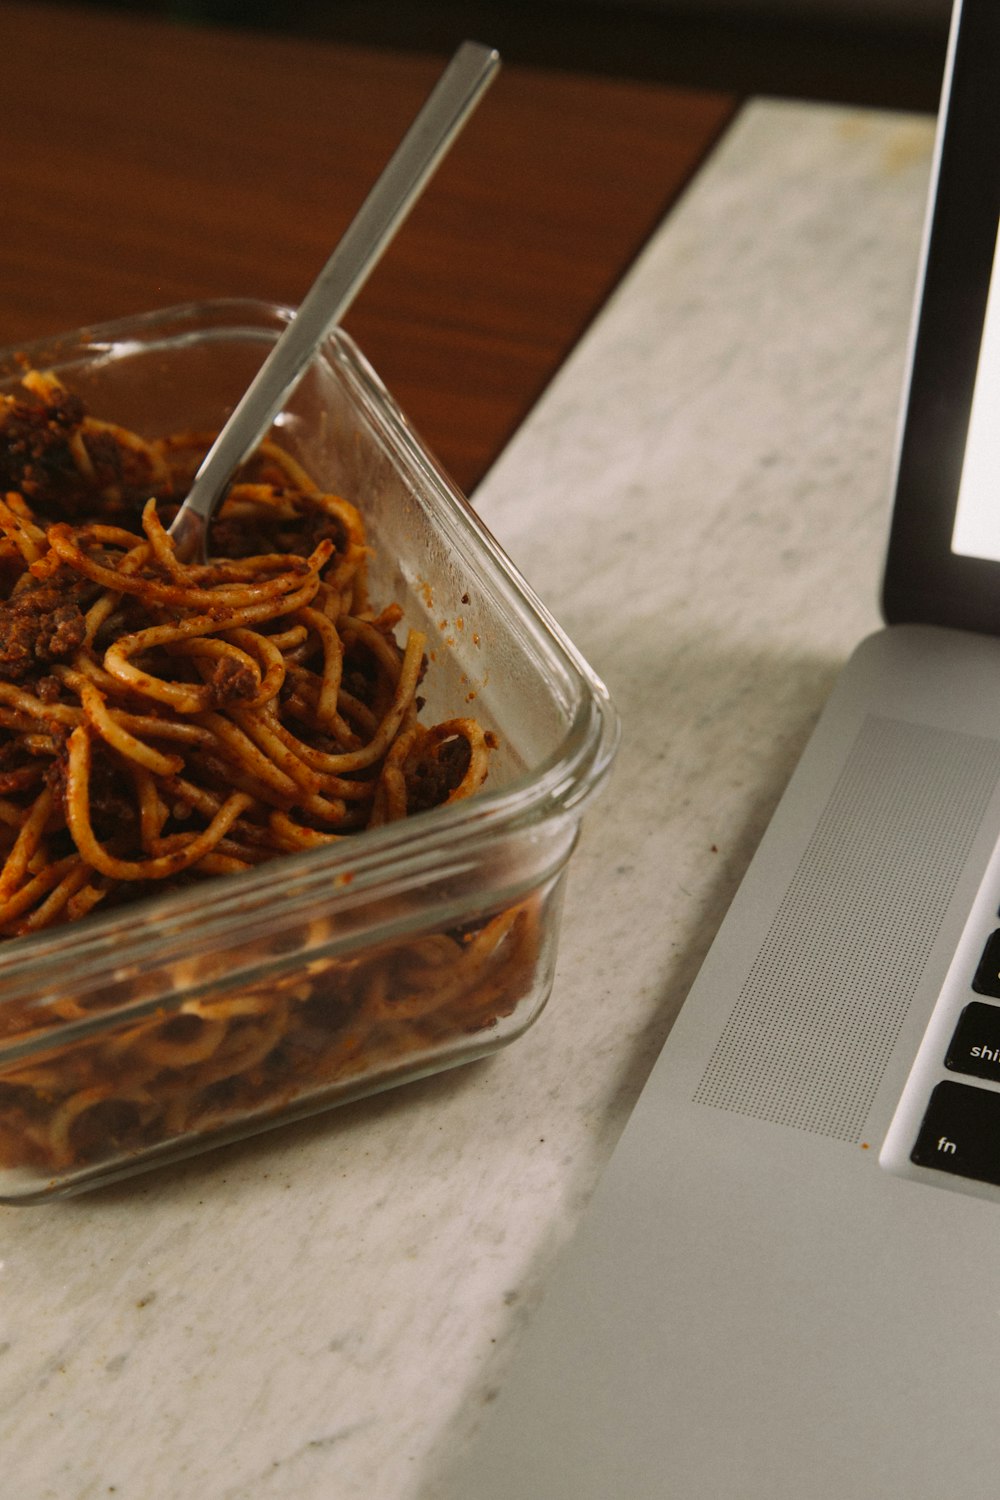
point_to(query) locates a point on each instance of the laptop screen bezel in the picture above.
(925, 580)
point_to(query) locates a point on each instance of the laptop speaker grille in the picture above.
(821, 1009)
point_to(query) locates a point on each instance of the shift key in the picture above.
(961, 1133)
(975, 1046)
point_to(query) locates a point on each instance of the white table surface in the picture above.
(701, 498)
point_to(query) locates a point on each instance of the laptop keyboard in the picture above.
(960, 1131)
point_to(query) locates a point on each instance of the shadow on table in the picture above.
(792, 692)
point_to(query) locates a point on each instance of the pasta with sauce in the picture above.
(162, 722)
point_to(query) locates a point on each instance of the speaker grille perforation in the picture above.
(816, 1020)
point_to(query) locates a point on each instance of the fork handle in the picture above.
(404, 177)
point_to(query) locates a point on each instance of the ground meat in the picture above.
(430, 781)
(241, 537)
(37, 627)
(56, 770)
(106, 458)
(34, 446)
(59, 633)
(360, 675)
(111, 803)
(37, 461)
(111, 811)
(232, 682)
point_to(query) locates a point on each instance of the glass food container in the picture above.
(200, 1016)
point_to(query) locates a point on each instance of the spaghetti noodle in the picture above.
(162, 722)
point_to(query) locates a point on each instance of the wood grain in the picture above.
(144, 163)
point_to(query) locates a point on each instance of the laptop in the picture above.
(787, 1285)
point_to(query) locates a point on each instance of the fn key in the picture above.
(961, 1133)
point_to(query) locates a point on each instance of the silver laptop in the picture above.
(787, 1286)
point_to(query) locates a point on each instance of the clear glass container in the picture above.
(197, 1017)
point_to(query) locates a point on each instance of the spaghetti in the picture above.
(162, 722)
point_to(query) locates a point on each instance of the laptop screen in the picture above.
(976, 532)
(943, 561)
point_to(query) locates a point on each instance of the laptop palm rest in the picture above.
(756, 1305)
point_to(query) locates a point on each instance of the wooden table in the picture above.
(145, 164)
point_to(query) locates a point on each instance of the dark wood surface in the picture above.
(144, 163)
(878, 55)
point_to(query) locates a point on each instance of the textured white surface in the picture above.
(701, 498)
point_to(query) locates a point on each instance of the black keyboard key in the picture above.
(961, 1133)
(987, 980)
(975, 1047)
